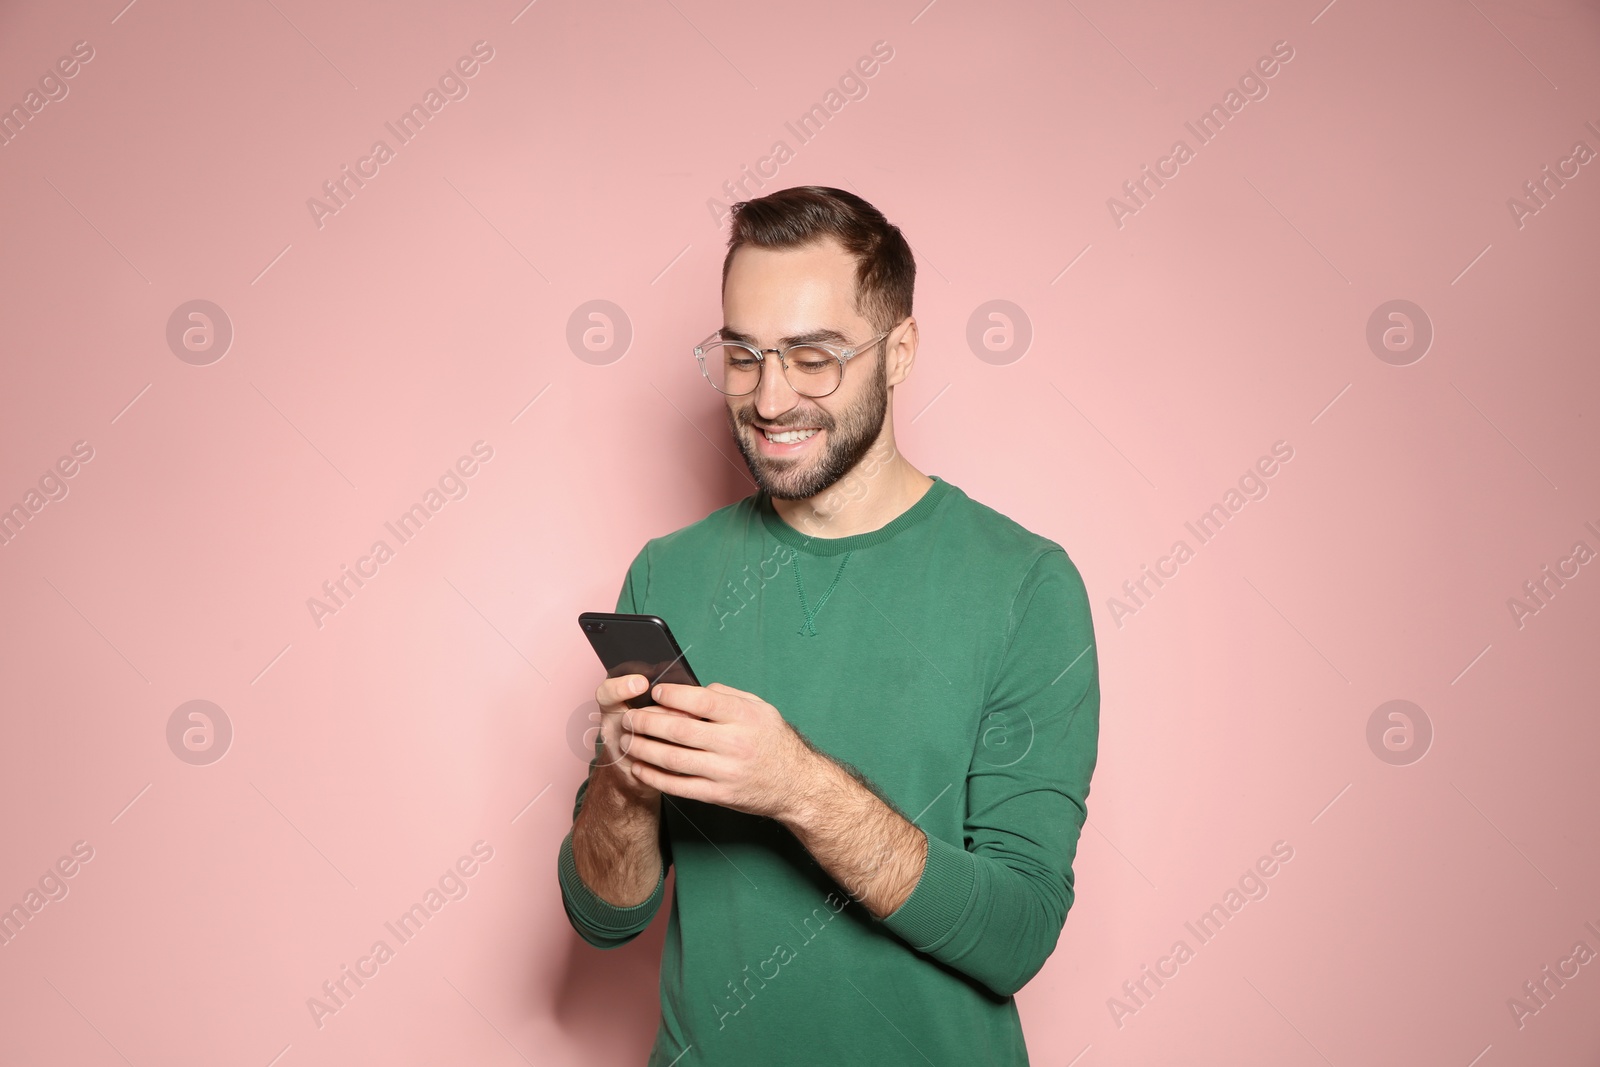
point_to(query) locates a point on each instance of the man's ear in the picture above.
(901, 354)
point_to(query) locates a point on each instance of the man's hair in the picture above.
(886, 273)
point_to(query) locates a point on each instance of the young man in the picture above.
(874, 805)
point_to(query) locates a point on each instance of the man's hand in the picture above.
(614, 838)
(616, 743)
(744, 756)
(728, 747)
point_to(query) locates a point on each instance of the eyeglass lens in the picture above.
(734, 370)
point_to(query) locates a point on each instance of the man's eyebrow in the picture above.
(824, 335)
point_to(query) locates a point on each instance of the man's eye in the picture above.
(810, 361)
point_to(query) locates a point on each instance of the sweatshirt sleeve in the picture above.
(597, 920)
(993, 904)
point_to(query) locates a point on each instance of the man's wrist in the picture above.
(614, 831)
(819, 787)
(614, 799)
(874, 853)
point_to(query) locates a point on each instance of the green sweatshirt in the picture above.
(949, 657)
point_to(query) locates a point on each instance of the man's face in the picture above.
(771, 295)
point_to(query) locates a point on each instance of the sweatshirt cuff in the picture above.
(941, 898)
(594, 913)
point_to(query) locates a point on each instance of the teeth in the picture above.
(789, 436)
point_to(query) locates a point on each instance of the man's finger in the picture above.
(721, 688)
(710, 704)
(689, 698)
(621, 688)
(668, 724)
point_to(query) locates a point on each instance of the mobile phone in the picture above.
(637, 644)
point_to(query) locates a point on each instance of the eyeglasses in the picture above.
(813, 369)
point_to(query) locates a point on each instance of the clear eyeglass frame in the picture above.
(841, 353)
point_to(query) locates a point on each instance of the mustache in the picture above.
(749, 419)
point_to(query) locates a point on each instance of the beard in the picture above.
(850, 436)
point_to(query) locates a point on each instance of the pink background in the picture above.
(436, 708)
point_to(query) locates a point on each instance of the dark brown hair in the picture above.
(886, 273)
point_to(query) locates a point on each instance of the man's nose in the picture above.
(774, 394)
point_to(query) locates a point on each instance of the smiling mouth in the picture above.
(789, 435)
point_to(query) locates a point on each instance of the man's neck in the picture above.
(873, 494)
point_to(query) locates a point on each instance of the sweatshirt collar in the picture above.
(833, 546)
